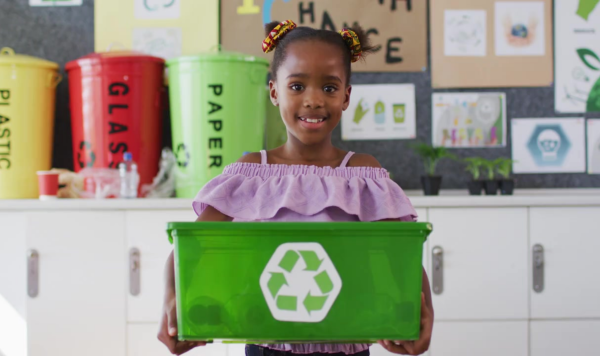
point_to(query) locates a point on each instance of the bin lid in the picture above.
(220, 56)
(8, 57)
(111, 57)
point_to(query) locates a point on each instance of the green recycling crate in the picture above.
(298, 282)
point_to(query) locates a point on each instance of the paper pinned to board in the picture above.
(577, 36)
(380, 112)
(468, 120)
(548, 145)
(115, 21)
(519, 28)
(465, 33)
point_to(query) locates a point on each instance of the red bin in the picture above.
(116, 108)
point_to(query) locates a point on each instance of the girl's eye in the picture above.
(296, 87)
(330, 89)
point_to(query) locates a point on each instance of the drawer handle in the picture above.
(438, 269)
(538, 268)
(33, 273)
(134, 272)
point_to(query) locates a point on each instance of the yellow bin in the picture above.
(27, 97)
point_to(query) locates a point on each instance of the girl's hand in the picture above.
(167, 332)
(414, 347)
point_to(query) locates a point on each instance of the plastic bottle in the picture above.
(130, 179)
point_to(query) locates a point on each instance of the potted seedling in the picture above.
(506, 184)
(474, 165)
(490, 184)
(431, 156)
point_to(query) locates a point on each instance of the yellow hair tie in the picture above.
(353, 43)
(277, 34)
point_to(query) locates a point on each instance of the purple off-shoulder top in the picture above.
(277, 192)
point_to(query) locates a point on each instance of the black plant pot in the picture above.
(491, 187)
(475, 187)
(431, 185)
(507, 186)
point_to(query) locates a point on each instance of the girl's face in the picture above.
(311, 90)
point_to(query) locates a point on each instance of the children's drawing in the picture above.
(520, 29)
(548, 145)
(577, 88)
(469, 120)
(381, 111)
(593, 149)
(161, 42)
(465, 33)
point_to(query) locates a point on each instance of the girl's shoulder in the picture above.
(252, 157)
(363, 160)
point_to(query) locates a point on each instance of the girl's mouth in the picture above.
(312, 120)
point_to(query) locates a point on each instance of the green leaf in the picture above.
(583, 55)
(431, 156)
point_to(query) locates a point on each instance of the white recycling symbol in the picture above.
(300, 283)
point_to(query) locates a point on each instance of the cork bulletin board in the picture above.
(467, 49)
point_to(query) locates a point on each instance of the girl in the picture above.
(306, 179)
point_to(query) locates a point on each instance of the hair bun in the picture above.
(276, 34)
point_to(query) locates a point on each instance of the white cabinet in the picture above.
(560, 338)
(571, 241)
(484, 263)
(146, 231)
(142, 341)
(80, 308)
(13, 328)
(476, 338)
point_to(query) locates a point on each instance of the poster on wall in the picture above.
(519, 28)
(398, 29)
(55, 2)
(593, 149)
(468, 120)
(380, 112)
(465, 33)
(548, 145)
(164, 28)
(577, 88)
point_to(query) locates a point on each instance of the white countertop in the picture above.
(448, 199)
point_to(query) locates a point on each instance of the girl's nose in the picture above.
(313, 100)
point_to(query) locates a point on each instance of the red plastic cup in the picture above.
(48, 184)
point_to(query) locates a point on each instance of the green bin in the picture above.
(298, 282)
(217, 113)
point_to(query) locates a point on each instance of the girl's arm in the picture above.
(167, 333)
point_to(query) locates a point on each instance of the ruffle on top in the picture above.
(255, 192)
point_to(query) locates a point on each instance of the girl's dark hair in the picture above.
(306, 33)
